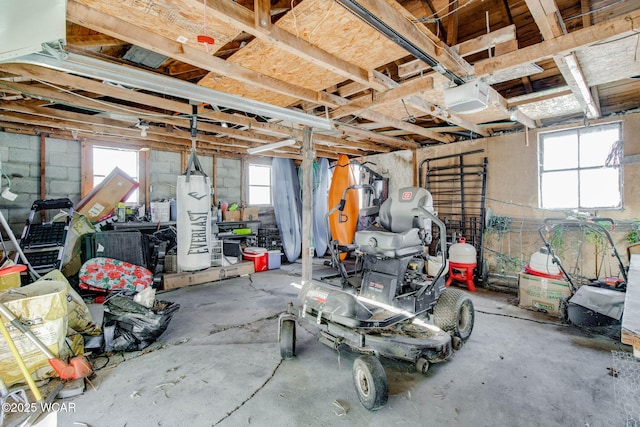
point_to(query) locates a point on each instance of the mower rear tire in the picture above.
(288, 339)
(370, 381)
(454, 313)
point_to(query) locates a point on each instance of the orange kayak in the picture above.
(343, 224)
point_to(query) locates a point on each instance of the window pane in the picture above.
(559, 190)
(259, 175)
(560, 151)
(106, 159)
(259, 185)
(259, 195)
(599, 188)
(595, 145)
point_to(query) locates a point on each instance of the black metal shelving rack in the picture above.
(459, 190)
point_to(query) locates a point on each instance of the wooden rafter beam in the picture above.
(572, 72)
(374, 116)
(486, 41)
(365, 134)
(262, 12)
(100, 130)
(156, 137)
(535, 97)
(432, 109)
(93, 40)
(545, 13)
(155, 42)
(111, 25)
(242, 18)
(55, 96)
(560, 45)
(452, 24)
(390, 95)
(261, 131)
(478, 44)
(403, 23)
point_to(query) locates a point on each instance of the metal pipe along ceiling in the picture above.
(115, 73)
(362, 13)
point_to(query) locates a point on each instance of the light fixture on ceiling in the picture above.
(143, 126)
(470, 97)
(272, 146)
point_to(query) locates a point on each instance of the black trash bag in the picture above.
(129, 326)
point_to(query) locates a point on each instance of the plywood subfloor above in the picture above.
(556, 107)
(170, 19)
(324, 24)
(597, 66)
(337, 31)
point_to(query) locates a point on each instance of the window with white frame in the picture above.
(107, 159)
(259, 185)
(580, 168)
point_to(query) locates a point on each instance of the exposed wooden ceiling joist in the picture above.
(466, 48)
(243, 19)
(563, 44)
(318, 57)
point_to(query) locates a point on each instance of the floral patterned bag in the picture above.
(107, 274)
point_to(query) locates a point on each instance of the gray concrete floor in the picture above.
(218, 363)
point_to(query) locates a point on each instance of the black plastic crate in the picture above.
(43, 259)
(43, 235)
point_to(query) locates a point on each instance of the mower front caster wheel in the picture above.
(370, 381)
(288, 339)
(422, 366)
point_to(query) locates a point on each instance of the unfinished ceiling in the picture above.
(376, 69)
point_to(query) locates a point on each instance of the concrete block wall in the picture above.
(21, 162)
(20, 156)
(164, 168)
(63, 169)
(228, 180)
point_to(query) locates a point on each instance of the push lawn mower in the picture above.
(600, 301)
(394, 310)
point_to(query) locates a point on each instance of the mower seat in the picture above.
(399, 235)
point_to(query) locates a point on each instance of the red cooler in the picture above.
(259, 256)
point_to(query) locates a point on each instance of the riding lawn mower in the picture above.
(389, 308)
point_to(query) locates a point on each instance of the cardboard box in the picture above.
(540, 293)
(101, 201)
(231, 216)
(180, 280)
(250, 214)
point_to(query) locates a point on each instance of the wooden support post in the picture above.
(43, 172)
(86, 167)
(308, 155)
(144, 196)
